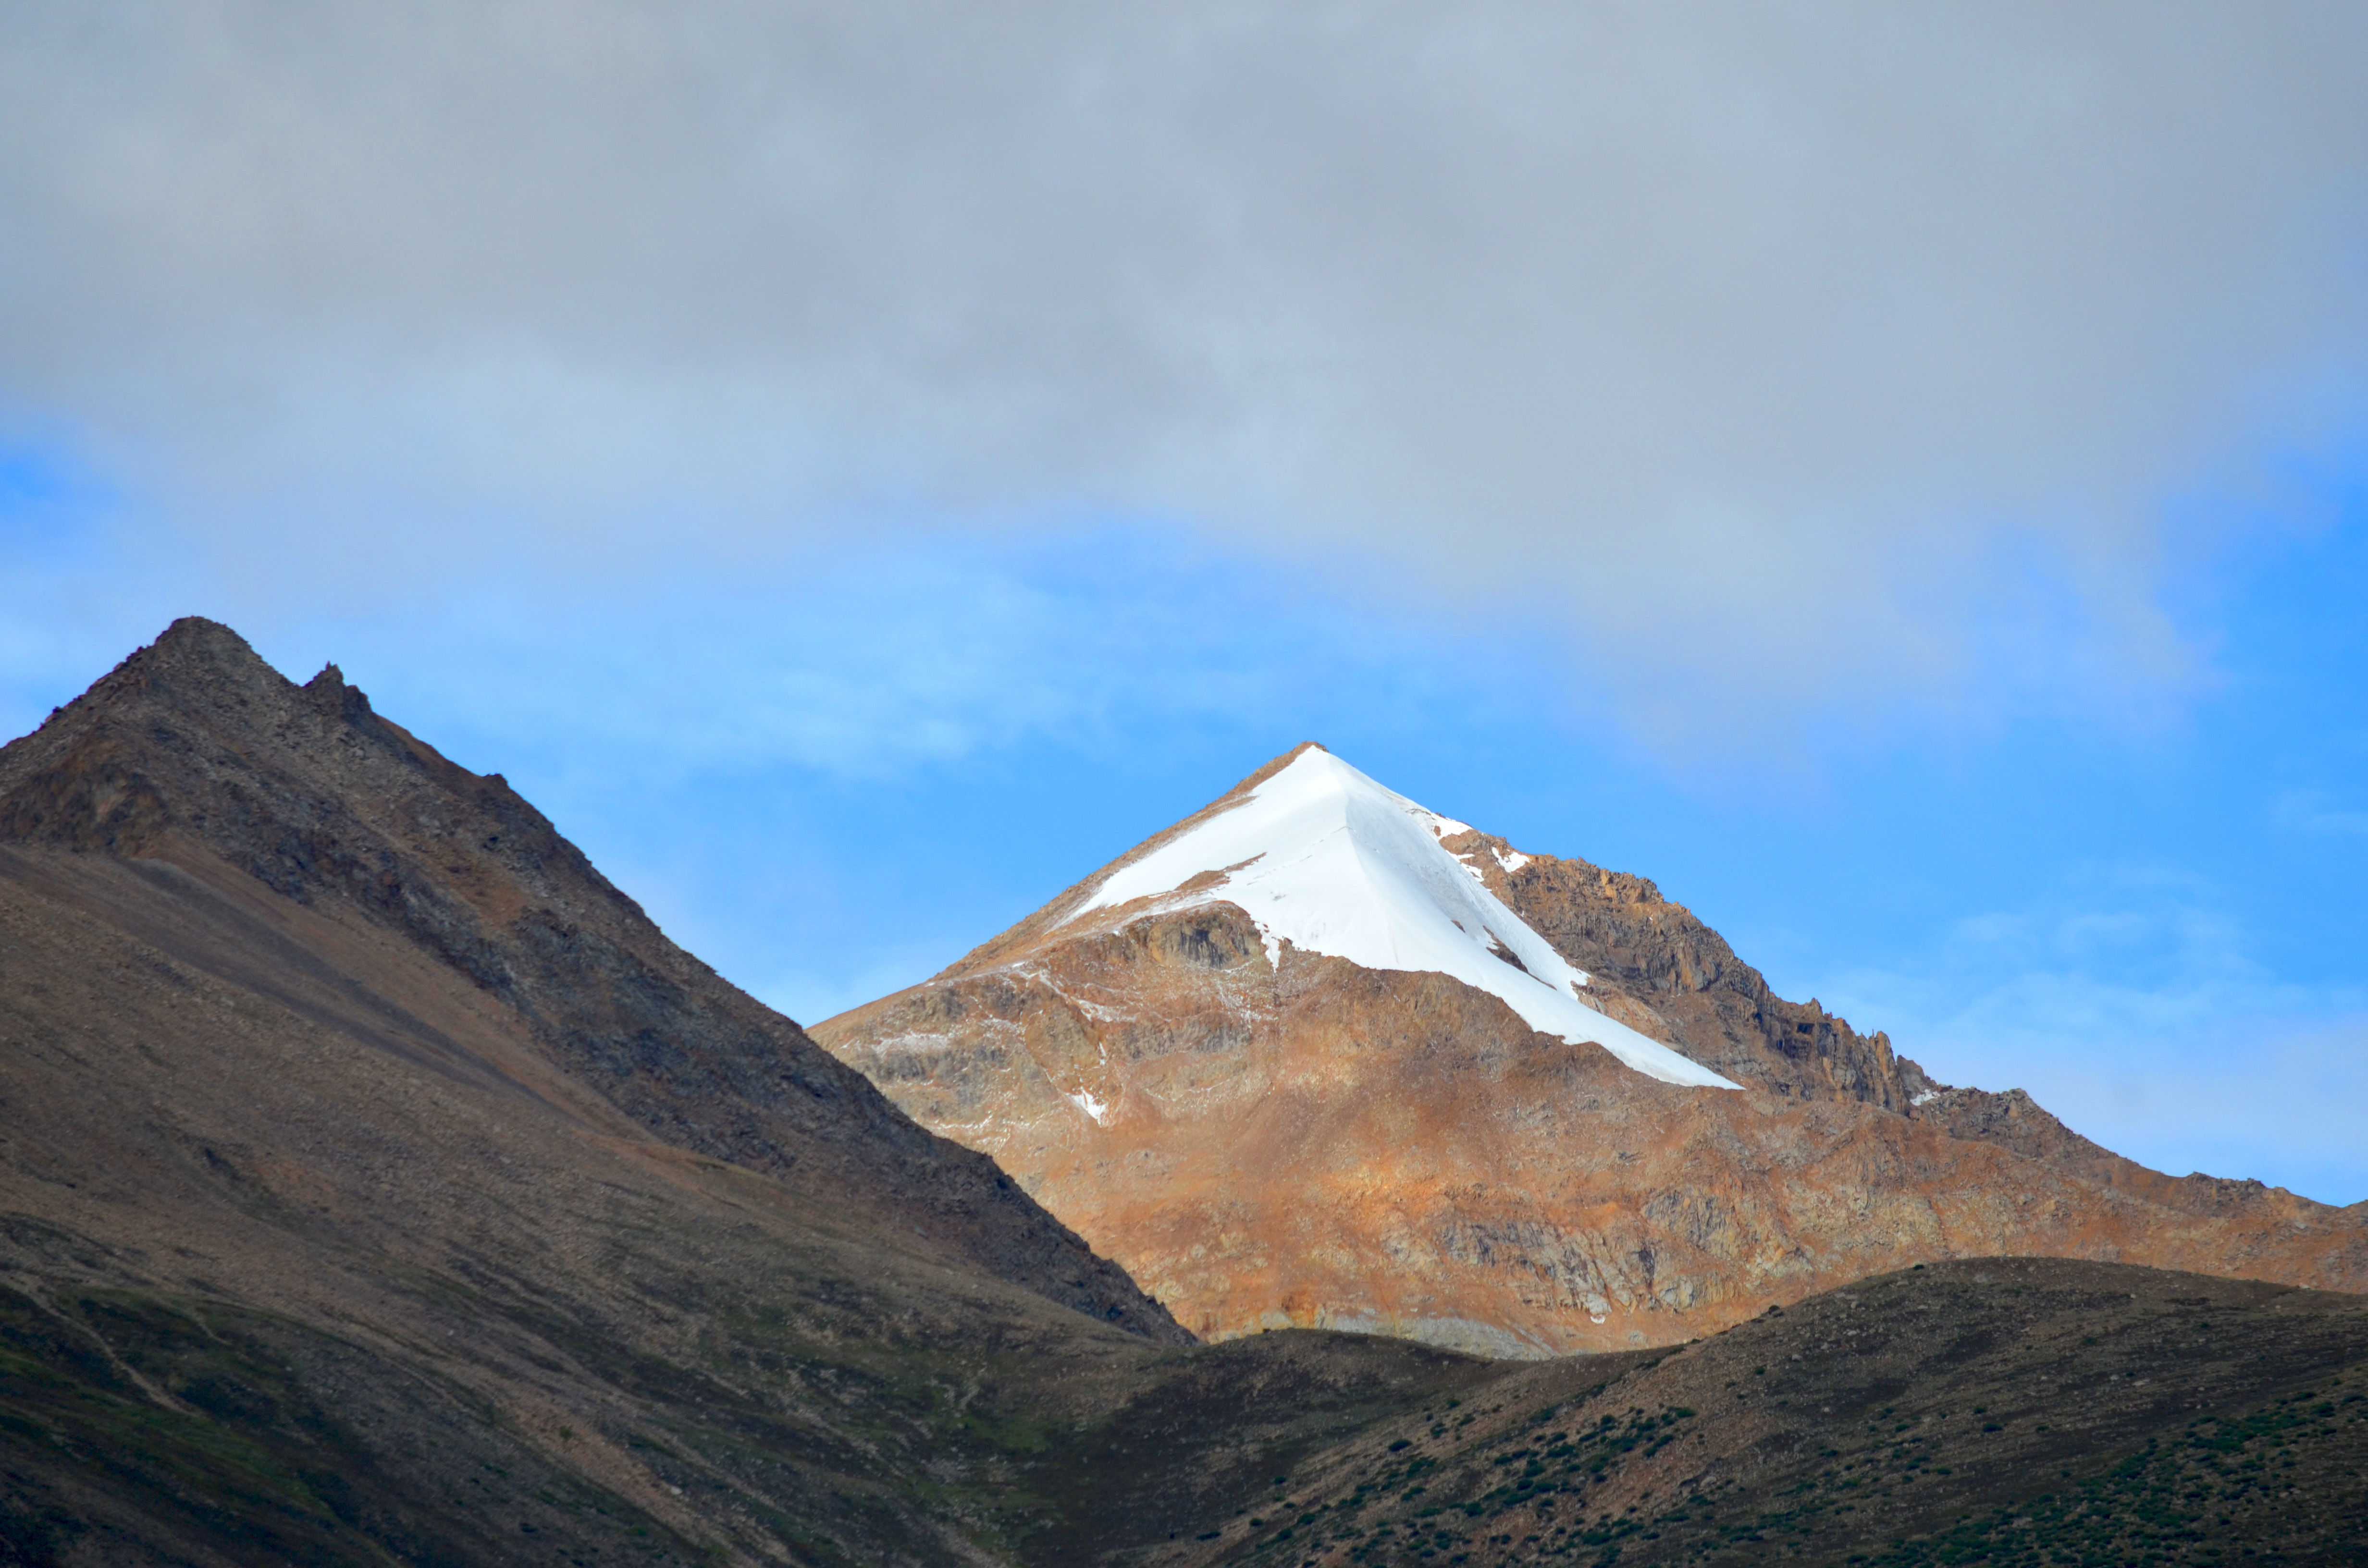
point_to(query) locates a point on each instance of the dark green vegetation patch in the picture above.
(132, 1428)
(2013, 1412)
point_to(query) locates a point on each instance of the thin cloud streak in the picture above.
(882, 667)
(2133, 1008)
(2316, 812)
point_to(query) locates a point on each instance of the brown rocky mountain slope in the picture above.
(377, 1184)
(220, 784)
(307, 1256)
(1267, 1135)
(1654, 966)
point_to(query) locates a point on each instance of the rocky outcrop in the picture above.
(1660, 970)
(195, 754)
(1297, 1140)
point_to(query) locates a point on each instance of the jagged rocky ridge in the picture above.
(1661, 970)
(1271, 1135)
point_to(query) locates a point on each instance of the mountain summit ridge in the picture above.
(1331, 861)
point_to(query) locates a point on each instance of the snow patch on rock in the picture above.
(1324, 857)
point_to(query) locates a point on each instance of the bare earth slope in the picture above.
(377, 1183)
(1269, 1136)
(305, 1256)
(198, 764)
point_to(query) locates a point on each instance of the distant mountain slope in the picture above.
(1289, 1061)
(197, 762)
(1652, 964)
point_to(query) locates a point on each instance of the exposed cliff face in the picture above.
(1659, 969)
(194, 755)
(1265, 1135)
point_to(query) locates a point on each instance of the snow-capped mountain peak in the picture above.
(1323, 857)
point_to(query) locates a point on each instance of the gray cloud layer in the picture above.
(1781, 352)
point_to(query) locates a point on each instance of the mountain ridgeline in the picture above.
(379, 1185)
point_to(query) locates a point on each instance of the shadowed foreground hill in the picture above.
(377, 1185)
(1990, 1411)
(375, 1178)
(209, 783)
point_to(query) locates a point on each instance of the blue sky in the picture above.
(1898, 483)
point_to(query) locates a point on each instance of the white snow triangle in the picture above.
(1327, 860)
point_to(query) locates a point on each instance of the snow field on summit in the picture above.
(1324, 858)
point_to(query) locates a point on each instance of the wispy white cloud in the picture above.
(2133, 1006)
(2317, 810)
(902, 658)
